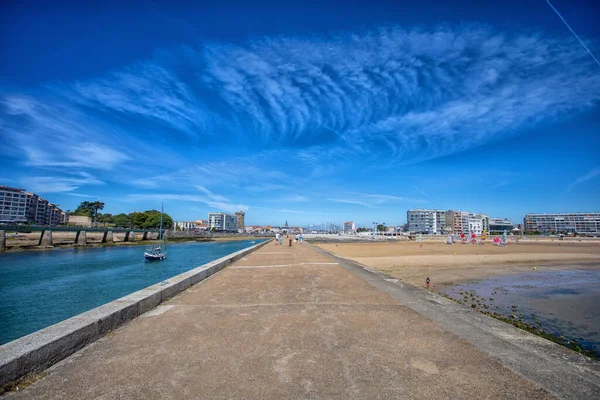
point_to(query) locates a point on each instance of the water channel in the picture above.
(38, 289)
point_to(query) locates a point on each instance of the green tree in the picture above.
(122, 221)
(105, 218)
(153, 220)
(381, 228)
(138, 219)
(89, 209)
(96, 205)
(84, 209)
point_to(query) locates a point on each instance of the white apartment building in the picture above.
(19, 206)
(586, 223)
(184, 225)
(13, 205)
(221, 221)
(426, 221)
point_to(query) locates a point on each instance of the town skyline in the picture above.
(303, 112)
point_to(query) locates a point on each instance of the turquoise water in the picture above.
(38, 289)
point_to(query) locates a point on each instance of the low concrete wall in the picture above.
(41, 349)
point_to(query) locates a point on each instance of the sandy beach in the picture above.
(444, 264)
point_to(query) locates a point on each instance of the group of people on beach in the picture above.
(473, 239)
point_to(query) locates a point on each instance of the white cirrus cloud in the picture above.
(415, 94)
(584, 178)
(393, 95)
(217, 205)
(357, 202)
(55, 184)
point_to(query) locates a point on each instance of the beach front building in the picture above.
(184, 225)
(499, 225)
(426, 221)
(19, 206)
(582, 223)
(221, 221)
(457, 221)
(349, 227)
(13, 205)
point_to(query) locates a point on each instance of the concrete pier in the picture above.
(81, 238)
(45, 238)
(107, 237)
(293, 322)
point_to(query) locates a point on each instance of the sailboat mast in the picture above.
(162, 234)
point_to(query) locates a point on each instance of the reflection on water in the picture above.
(563, 303)
(38, 289)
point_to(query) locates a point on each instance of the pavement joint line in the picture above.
(278, 265)
(320, 303)
(261, 266)
(561, 371)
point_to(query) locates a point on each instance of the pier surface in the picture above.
(285, 322)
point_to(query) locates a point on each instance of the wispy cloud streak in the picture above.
(590, 175)
(393, 94)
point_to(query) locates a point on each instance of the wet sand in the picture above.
(561, 303)
(445, 264)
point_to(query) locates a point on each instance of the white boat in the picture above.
(158, 252)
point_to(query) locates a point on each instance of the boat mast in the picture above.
(162, 234)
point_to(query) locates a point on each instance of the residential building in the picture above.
(201, 224)
(17, 205)
(13, 205)
(583, 223)
(499, 225)
(426, 221)
(349, 227)
(221, 221)
(184, 225)
(240, 220)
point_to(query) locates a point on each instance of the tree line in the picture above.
(145, 219)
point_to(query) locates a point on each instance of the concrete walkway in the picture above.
(285, 322)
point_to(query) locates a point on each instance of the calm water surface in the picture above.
(38, 289)
(565, 303)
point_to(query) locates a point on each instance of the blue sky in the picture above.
(303, 111)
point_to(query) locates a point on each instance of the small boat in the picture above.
(159, 252)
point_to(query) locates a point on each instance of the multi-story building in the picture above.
(349, 227)
(13, 204)
(17, 205)
(499, 225)
(222, 222)
(184, 225)
(586, 223)
(426, 221)
(240, 220)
